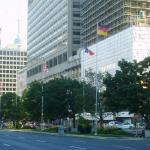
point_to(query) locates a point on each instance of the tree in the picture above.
(64, 98)
(144, 81)
(125, 90)
(11, 107)
(32, 101)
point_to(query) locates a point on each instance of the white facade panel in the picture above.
(21, 81)
(130, 44)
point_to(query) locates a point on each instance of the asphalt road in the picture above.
(34, 141)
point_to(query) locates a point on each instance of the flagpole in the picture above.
(96, 96)
(83, 92)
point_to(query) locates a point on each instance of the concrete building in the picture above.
(11, 61)
(129, 44)
(53, 38)
(21, 81)
(117, 14)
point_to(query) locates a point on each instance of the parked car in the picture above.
(115, 124)
(120, 125)
(126, 125)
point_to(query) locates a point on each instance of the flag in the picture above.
(45, 67)
(102, 30)
(90, 52)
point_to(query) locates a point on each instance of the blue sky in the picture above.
(10, 10)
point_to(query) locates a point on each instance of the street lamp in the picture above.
(42, 111)
(69, 92)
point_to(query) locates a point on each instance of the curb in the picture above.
(72, 135)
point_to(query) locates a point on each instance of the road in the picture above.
(36, 141)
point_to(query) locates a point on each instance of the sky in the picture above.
(10, 11)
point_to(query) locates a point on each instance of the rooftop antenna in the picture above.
(17, 40)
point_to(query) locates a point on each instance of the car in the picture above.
(115, 124)
(127, 125)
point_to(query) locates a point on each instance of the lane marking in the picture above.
(123, 147)
(75, 147)
(7, 145)
(40, 141)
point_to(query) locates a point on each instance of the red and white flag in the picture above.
(45, 67)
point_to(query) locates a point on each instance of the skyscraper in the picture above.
(53, 38)
(117, 14)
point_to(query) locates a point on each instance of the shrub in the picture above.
(52, 129)
(114, 131)
(10, 125)
(83, 126)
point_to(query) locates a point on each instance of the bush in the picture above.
(83, 127)
(52, 129)
(114, 131)
(10, 125)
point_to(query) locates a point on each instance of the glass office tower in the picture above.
(53, 38)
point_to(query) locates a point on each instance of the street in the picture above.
(12, 140)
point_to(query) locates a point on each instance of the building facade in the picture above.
(129, 44)
(21, 81)
(53, 38)
(116, 14)
(11, 61)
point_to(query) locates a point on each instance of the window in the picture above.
(76, 42)
(76, 15)
(76, 24)
(76, 32)
(50, 63)
(76, 6)
(4, 52)
(55, 61)
(59, 59)
(18, 53)
(40, 68)
(11, 53)
(64, 57)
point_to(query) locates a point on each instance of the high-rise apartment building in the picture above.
(11, 61)
(117, 14)
(53, 38)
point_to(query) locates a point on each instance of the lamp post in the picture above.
(69, 92)
(42, 112)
